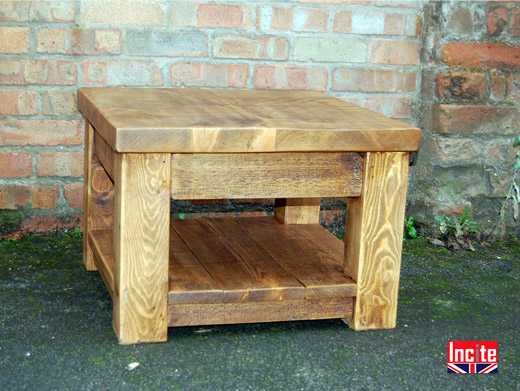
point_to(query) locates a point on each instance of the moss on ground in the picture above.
(55, 320)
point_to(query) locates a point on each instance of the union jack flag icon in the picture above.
(472, 368)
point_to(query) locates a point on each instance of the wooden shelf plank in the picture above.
(101, 242)
(241, 267)
(255, 312)
(318, 268)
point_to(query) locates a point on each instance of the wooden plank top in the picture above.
(178, 120)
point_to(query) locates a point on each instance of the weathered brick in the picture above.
(393, 107)
(394, 52)
(58, 102)
(327, 49)
(410, 81)
(478, 55)
(18, 102)
(108, 41)
(40, 132)
(394, 24)
(513, 89)
(458, 119)
(515, 23)
(290, 78)
(15, 164)
(497, 20)
(461, 85)
(367, 80)
(158, 43)
(59, 164)
(119, 12)
(45, 197)
(208, 75)
(74, 195)
(368, 22)
(461, 22)
(122, 73)
(183, 14)
(38, 11)
(11, 72)
(310, 19)
(50, 72)
(14, 40)
(224, 16)
(12, 197)
(343, 22)
(498, 88)
(257, 47)
(399, 3)
(451, 152)
(51, 40)
(278, 18)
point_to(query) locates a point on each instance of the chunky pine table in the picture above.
(144, 147)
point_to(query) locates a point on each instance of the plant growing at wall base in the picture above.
(457, 232)
(410, 232)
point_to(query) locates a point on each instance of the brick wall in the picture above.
(364, 51)
(470, 115)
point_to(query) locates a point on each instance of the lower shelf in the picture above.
(241, 270)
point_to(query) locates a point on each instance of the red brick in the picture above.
(18, 102)
(393, 107)
(74, 195)
(343, 22)
(290, 78)
(59, 164)
(94, 72)
(50, 72)
(208, 75)
(463, 119)
(513, 89)
(461, 85)
(51, 40)
(224, 16)
(12, 197)
(14, 40)
(58, 102)
(122, 73)
(40, 132)
(478, 55)
(395, 24)
(497, 21)
(108, 41)
(15, 164)
(78, 41)
(45, 197)
(515, 23)
(394, 52)
(367, 80)
(310, 19)
(38, 11)
(263, 47)
(498, 87)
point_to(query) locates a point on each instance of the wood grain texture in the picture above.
(319, 269)
(192, 120)
(297, 210)
(265, 175)
(142, 212)
(243, 270)
(102, 245)
(105, 154)
(98, 197)
(374, 238)
(253, 312)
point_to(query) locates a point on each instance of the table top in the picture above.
(180, 120)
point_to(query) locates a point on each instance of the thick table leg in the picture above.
(297, 210)
(98, 197)
(142, 215)
(374, 239)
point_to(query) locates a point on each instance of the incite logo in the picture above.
(472, 356)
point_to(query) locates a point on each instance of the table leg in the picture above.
(98, 197)
(141, 240)
(297, 210)
(374, 239)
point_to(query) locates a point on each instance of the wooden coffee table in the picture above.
(144, 147)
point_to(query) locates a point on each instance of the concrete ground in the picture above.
(56, 333)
